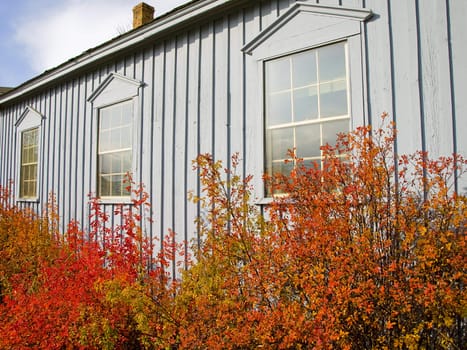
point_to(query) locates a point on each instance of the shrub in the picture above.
(367, 250)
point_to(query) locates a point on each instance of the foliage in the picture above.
(364, 250)
(367, 250)
(93, 290)
(25, 239)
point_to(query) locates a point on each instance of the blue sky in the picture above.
(36, 35)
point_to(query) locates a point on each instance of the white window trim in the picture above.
(271, 43)
(115, 89)
(28, 120)
(318, 121)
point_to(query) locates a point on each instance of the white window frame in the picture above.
(113, 151)
(115, 89)
(302, 27)
(319, 120)
(29, 120)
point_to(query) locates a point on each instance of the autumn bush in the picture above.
(25, 239)
(101, 289)
(366, 249)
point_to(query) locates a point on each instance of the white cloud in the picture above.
(53, 34)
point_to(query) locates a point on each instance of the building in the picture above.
(4, 90)
(225, 76)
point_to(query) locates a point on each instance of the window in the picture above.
(306, 104)
(28, 149)
(29, 163)
(115, 103)
(114, 149)
(312, 73)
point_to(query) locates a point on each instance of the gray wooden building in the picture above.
(225, 76)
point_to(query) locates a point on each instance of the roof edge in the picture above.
(159, 26)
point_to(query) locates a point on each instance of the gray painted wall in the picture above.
(203, 94)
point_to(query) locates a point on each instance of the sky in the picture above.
(36, 35)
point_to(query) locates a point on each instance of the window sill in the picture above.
(115, 200)
(269, 200)
(264, 201)
(28, 200)
(284, 197)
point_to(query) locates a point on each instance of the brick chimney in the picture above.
(142, 14)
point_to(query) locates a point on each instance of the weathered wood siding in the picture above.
(202, 94)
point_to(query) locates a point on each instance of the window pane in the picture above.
(278, 75)
(104, 141)
(304, 69)
(127, 114)
(26, 189)
(34, 154)
(331, 62)
(305, 104)
(281, 140)
(33, 138)
(24, 156)
(104, 185)
(279, 109)
(116, 163)
(126, 162)
(126, 188)
(21, 175)
(30, 154)
(312, 163)
(331, 129)
(333, 99)
(34, 172)
(126, 138)
(115, 136)
(117, 185)
(104, 164)
(25, 169)
(26, 141)
(308, 141)
(105, 118)
(282, 167)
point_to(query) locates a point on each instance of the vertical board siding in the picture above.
(379, 60)
(192, 129)
(405, 75)
(207, 95)
(435, 77)
(168, 164)
(180, 141)
(253, 119)
(157, 195)
(221, 90)
(235, 96)
(456, 12)
(145, 148)
(3, 151)
(202, 94)
(87, 147)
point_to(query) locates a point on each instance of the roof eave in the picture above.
(160, 26)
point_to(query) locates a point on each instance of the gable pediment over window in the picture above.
(28, 119)
(114, 88)
(306, 25)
